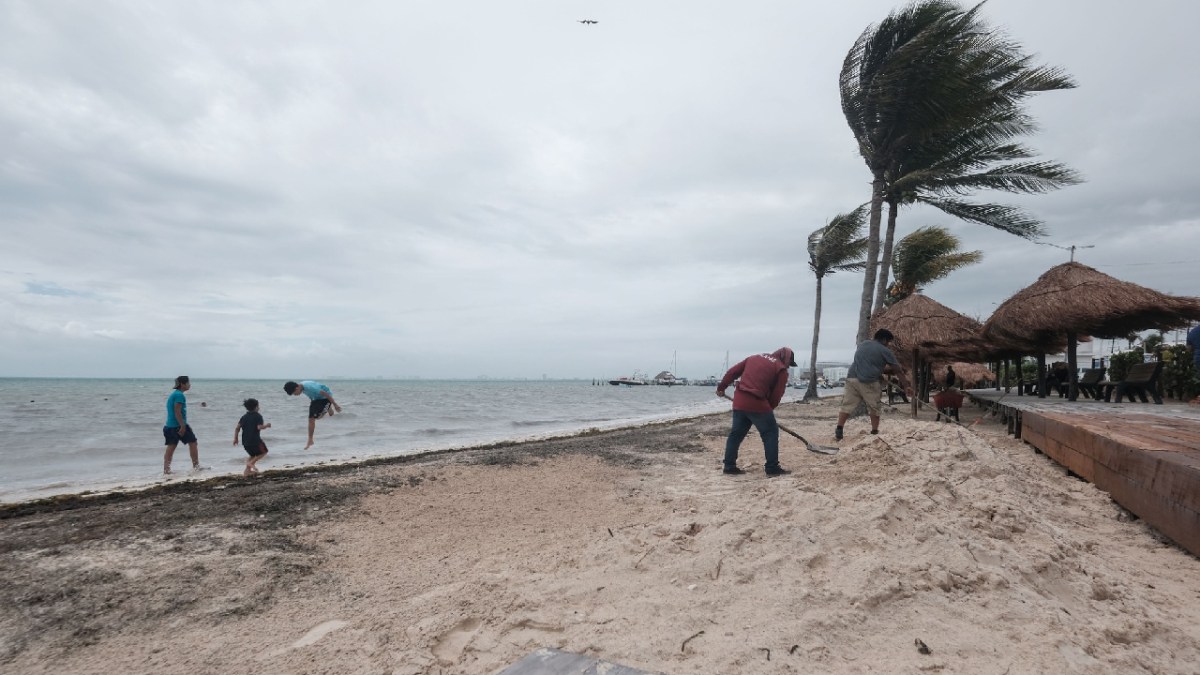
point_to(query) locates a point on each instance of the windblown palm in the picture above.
(837, 247)
(926, 255)
(933, 98)
(980, 157)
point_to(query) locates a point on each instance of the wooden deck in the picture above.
(1146, 456)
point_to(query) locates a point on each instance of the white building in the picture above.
(835, 373)
(1095, 353)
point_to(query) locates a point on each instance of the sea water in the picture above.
(60, 436)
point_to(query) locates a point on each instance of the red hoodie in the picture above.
(763, 379)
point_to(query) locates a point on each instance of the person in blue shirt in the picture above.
(176, 429)
(872, 360)
(320, 399)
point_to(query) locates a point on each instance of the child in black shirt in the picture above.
(249, 426)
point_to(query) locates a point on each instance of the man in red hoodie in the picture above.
(761, 381)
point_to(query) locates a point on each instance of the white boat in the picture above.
(628, 381)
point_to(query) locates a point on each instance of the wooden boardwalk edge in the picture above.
(1146, 471)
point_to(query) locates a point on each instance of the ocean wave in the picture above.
(434, 431)
(532, 423)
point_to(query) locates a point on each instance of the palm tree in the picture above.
(885, 103)
(926, 255)
(933, 96)
(837, 247)
(1153, 342)
(973, 160)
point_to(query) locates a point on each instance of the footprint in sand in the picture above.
(528, 631)
(312, 636)
(450, 646)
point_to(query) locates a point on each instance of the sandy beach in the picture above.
(628, 545)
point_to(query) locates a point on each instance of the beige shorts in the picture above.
(866, 392)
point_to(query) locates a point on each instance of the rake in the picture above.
(812, 447)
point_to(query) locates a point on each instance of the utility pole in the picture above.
(1070, 248)
(1073, 247)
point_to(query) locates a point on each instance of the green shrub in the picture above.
(1025, 371)
(1118, 364)
(1179, 377)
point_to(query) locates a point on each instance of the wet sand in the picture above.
(628, 545)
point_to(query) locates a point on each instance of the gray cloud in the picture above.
(383, 189)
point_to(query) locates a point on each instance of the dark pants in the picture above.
(767, 429)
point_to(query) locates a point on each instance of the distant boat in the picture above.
(635, 381)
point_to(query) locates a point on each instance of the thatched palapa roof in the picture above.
(922, 323)
(968, 373)
(1075, 298)
(980, 348)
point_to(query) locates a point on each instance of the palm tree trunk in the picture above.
(864, 309)
(885, 257)
(811, 392)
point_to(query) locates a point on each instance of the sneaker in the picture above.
(837, 433)
(777, 472)
(734, 471)
(876, 431)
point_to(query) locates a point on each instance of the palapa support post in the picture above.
(1072, 366)
(1041, 379)
(916, 391)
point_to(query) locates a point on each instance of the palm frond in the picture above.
(924, 256)
(934, 98)
(839, 245)
(1025, 178)
(1008, 219)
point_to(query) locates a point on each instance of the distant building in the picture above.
(835, 373)
(1095, 353)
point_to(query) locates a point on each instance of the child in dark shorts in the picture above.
(249, 426)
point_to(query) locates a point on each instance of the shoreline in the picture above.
(627, 545)
(183, 478)
(384, 419)
(187, 482)
(48, 492)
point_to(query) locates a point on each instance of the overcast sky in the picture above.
(455, 189)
